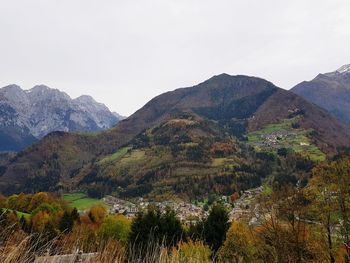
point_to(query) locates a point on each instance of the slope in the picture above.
(330, 91)
(237, 105)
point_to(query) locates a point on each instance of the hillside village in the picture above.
(242, 208)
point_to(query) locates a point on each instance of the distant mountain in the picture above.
(187, 142)
(330, 91)
(28, 115)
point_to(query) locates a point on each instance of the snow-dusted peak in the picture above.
(344, 69)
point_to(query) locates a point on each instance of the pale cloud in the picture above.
(124, 52)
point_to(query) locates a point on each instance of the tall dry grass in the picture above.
(19, 247)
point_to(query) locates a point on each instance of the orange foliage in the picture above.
(234, 196)
(97, 214)
(39, 220)
(220, 149)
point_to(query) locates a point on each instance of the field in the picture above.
(115, 156)
(81, 201)
(283, 135)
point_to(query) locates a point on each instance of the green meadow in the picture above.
(81, 201)
(19, 214)
(298, 140)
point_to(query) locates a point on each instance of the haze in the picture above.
(123, 53)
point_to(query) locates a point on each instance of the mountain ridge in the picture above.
(330, 91)
(28, 115)
(234, 105)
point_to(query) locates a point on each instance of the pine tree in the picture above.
(216, 226)
(66, 222)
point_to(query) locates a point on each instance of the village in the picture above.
(240, 208)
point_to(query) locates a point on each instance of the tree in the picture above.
(284, 234)
(170, 227)
(97, 214)
(216, 226)
(24, 224)
(38, 199)
(116, 227)
(2, 201)
(66, 223)
(239, 245)
(39, 220)
(329, 193)
(12, 202)
(154, 227)
(75, 214)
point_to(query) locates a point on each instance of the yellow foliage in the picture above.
(191, 252)
(239, 244)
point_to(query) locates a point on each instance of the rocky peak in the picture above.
(14, 96)
(85, 98)
(42, 92)
(41, 110)
(87, 102)
(12, 92)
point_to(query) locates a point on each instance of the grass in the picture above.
(219, 161)
(21, 247)
(81, 201)
(298, 140)
(267, 190)
(117, 155)
(135, 155)
(19, 214)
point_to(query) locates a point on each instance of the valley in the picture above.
(232, 159)
(234, 146)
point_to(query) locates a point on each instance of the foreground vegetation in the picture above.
(296, 222)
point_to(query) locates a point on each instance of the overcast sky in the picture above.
(123, 53)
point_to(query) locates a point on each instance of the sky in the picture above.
(125, 52)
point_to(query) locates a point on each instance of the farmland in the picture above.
(81, 201)
(286, 134)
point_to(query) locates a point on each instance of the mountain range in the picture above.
(217, 136)
(28, 115)
(330, 91)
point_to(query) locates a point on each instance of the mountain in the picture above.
(330, 91)
(28, 115)
(208, 136)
